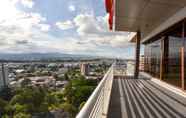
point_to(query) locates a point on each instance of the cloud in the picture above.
(26, 21)
(71, 8)
(28, 32)
(44, 27)
(20, 33)
(86, 24)
(94, 30)
(27, 3)
(95, 38)
(65, 25)
(23, 42)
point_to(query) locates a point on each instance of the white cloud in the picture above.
(26, 21)
(27, 32)
(86, 24)
(44, 27)
(93, 37)
(95, 30)
(71, 8)
(27, 3)
(65, 25)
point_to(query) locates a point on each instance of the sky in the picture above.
(63, 26)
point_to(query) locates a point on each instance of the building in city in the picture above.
(84, 67)
(3, 76)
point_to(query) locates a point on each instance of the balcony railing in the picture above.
(98, 103)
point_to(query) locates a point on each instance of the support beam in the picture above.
(138, 38)
(162, 58)
(182, 69)
(182, 57)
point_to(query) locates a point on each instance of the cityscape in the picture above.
(93, 59)
(51, 90)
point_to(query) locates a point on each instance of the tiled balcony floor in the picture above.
(142, 98)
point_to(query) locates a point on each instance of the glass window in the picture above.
(152, 58)
(172, 74)
(171, 47)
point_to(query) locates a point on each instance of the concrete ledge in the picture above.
(172, 88)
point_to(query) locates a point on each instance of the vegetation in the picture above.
(27, 101)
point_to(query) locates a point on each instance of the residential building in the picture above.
(4, 76)
(84, 69)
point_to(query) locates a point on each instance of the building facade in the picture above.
(84, 68)
(3, 76)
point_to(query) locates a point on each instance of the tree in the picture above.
(66, 76)
(22, 115)
(20, 108)
(77, 91)
(3, 104)
(25, 82)
(5, 116)
(33, 98)
(6, 93)
(69, 108)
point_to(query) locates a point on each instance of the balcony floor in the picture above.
(142, 98)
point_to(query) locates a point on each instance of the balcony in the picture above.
(121, 96)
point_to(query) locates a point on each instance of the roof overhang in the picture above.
(150, 17)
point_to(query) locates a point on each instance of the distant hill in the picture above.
(42, 56)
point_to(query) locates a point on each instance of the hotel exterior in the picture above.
(160, 25)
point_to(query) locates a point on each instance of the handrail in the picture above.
(100, 97)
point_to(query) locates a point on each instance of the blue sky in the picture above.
(65, 26)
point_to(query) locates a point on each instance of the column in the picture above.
(138, 38)
(182, 57)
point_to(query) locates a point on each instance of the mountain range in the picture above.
(42, 56)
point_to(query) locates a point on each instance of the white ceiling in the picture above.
(144, 15)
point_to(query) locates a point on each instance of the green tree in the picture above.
(25, 82)
(5, 116)
(66, 76)
(69, 108)
(22, 115)
(20, 108)
(33, 98)
(3, 104)
(78, 90)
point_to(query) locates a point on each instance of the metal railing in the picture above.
(98, 103)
